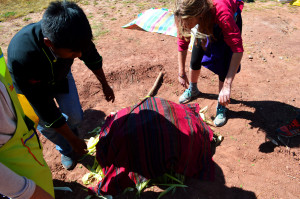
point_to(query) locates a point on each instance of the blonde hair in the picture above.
(202, 9)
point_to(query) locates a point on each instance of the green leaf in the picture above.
(63, 189)
(173, 178)
(173, 185)
(165, 192)
(141, 186)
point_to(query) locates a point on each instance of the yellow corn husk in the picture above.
(202, 115)
(91, 145)
(203, 110)
(86, 179)
(96, 170)
(95, 174)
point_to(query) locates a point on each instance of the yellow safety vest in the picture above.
(23, 152)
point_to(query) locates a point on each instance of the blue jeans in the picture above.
(70, 107)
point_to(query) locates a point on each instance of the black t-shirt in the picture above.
(39, 75)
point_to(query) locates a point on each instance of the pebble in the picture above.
(250, 57)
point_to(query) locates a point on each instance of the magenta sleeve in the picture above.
(182, 44)
(232, 33)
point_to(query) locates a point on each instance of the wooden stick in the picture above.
(150, 94)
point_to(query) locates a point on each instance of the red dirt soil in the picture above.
(265, 95)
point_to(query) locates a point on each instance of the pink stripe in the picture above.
(153, 26)
(170, 29)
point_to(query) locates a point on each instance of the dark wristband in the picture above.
(182, 76)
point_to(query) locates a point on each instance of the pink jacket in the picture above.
(224, 10)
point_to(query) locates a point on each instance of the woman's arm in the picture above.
(225, 89)
(182, 78)
(16, 186)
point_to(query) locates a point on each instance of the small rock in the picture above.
(271, 53)
(250, 57)
(281, 58)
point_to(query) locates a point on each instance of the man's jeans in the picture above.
(70, 107)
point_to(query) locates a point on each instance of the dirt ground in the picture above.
(265, 95)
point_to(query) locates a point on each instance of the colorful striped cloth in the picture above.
(159, 20)
(149, 139)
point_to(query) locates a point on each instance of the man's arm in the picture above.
(45, 106)
(78, 145)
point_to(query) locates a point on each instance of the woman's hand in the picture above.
(224, 95)
(183, 80)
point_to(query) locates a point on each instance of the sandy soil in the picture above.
(265, 96)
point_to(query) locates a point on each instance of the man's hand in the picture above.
(224, 95)
(183, 80)
(79, 145)
(107, 90)
(109, 93)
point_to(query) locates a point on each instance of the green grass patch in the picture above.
(11, 9)
(98, 30)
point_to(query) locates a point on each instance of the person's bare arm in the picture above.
(40, 193)
(224, 95)
(182, 77)
(78, 145)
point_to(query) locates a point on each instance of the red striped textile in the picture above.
(149, 139)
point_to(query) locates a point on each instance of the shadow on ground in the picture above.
(196, 190)
(91, 120)
(267, 117)
(200, 190)
(78, 191)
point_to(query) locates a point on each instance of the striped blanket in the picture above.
(158, 20)
(155, 20)
(149, 139)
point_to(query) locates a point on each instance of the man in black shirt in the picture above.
(39, 60)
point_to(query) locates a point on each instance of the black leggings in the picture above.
(198, 52)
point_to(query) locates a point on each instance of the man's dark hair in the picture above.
(66, 26)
